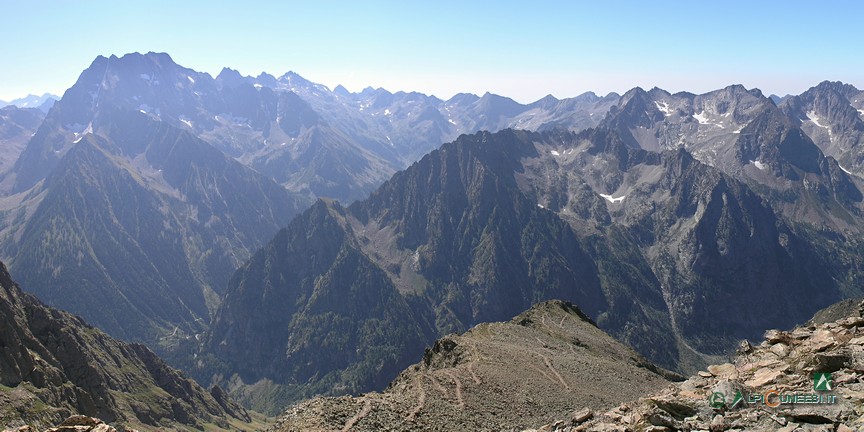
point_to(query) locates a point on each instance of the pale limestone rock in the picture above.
(724, 371)
(763, 377)
(781, 350)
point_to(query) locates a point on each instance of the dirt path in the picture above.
(473, 373)
(367, 408)
(554, 371)
(438, 385)
(476, 358)
(542, 372)
(421, 400)
(459, 401)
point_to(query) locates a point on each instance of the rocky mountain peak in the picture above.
(846, 90)
(635, 109)
(495, 376)
(341, 90)
(546, 102)
(589, 96)
(294, 80)
(493, 103)
(267, 80)
(555, 307)
(230, 78)
(632, 93)
(463, 99)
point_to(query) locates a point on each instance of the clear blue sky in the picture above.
(519, 49)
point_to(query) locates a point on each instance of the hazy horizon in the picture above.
(556, 48)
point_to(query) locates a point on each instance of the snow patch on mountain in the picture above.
(613, 200)
(555, 153)
(815, 119)
(760, 165)
(663, 106)
(701, 118)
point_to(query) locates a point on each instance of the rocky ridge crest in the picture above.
(496, 376)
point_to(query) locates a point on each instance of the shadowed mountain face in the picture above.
(666, 253)
(138, 187)
(831, 114)
(147, 215)
(144, 216)
(532, 369)
(17, 125)
(745, 135)
(53, 365)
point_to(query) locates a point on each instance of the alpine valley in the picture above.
(284, 241)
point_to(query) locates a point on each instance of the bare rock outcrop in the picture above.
(807, 379)
(54, 365)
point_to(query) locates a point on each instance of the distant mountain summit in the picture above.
(830, 113)
(42, 103)
(17, 126)
(117, 203)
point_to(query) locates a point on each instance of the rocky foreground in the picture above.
(807, 379)
(75, 423)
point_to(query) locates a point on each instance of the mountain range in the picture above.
(667, 254)
(42, 103)
(678, 223)
(17, 126)
(137, 213)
